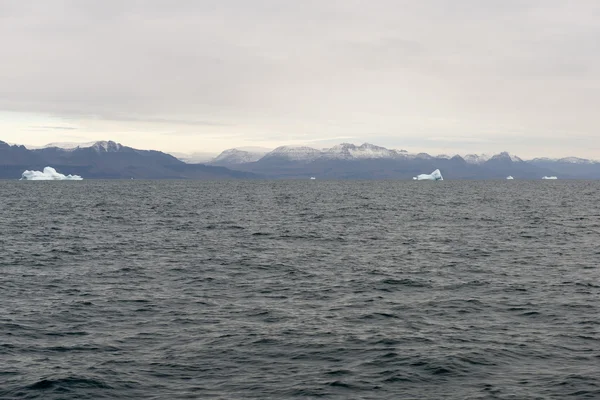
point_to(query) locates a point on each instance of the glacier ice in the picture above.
(434, 176)
(48, 174)
(549, 177)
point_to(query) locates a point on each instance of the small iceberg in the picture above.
(48, 174)
(434, 176)
(312, 178)
(509, 177)
(549, 177)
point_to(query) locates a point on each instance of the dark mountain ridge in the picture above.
(108, 160)
(111, 160)
(367, 161)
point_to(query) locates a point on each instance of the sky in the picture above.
(442, 76)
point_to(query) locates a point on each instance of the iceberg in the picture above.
(509, 177)
(549, 177)
(48, 174)
(434, 176)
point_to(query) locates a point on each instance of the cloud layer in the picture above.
(493, 75)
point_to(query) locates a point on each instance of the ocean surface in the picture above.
(300, 289)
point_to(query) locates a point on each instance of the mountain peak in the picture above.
(294, 153)
(371, 146)
(237, 156)
(107, 146)
(476, 158)
(366, 150)
(505, 155)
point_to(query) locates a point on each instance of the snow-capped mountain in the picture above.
(62, 145)
(423, 156)
(107, 160)
(566, 160)
(349, 151)
(293, 153)
(236, 156)
(576, 160)
(476, 158)
(107, 146)
(505, 156)
(100, 145)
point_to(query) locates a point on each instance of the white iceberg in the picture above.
(434, 176)
(549, 177)
(48, 174)
(509, 177)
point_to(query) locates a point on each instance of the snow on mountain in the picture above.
(576, 160)
(543, 159)
(102, 145)
(476, 158)
(255, 149)
(565, 160)
(367, 150)
(341, 151)
(349, 151)
(107, 146)
(294, 153)
(423, 156)
(236, 156)
(506, 156)
(62, 145)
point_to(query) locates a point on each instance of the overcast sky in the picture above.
(443, 76)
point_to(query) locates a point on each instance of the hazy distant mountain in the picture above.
(62, 145)
(237, 156)
(368, 161)
(194, 158)
(302, 154)
(106, 159)
(348, 151)
(476, 158)
(504, 157)
(570, 167)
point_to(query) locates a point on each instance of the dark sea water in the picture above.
(303, 289)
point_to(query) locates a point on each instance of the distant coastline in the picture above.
(112, 160)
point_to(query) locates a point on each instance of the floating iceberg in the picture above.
(48, 174)
(434, 176)
(549, 177)
(509, 177)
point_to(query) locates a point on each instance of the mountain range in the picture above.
(111, 160)
(368, 161)
(107, 160)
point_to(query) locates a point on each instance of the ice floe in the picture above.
(48, 174)
(434, 176)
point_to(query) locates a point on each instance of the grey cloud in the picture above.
(63, 128)
(272, 64)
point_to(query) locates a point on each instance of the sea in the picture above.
(300, 289)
